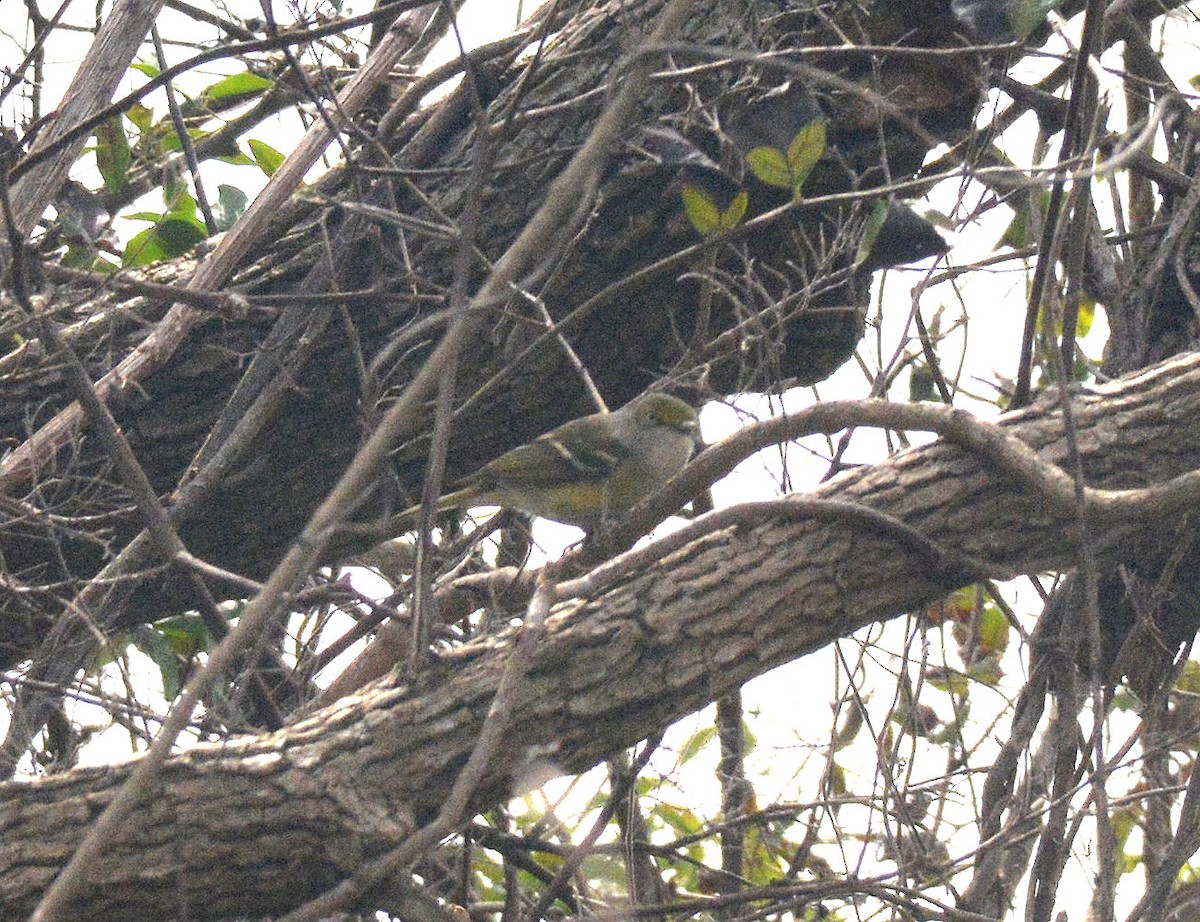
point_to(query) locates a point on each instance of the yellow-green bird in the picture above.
(588, 469)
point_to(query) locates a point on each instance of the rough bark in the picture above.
(255, 825)
(637, 334)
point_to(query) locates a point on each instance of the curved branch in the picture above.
(304, 807)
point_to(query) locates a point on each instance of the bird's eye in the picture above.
(651, 416)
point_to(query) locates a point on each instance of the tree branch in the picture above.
(613, 667)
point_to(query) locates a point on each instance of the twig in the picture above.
(460, 305)
(153, 352)
(73, 878)
(300, 36)
(580, 178)
(154, 517)
(577, 855)
(454, 809)
(185, 139)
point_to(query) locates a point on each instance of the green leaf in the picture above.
(955, 608)
(683, 822)
(732, 216)
(184, 207)
(143, 248)
(112, 154)
(487, 876)
(180, 233)
(695, 743)
(701, 210)
(149, 70)
(948, 680)
(267, 157)
(803, 153)
(107, 654)
(761, 860)
(155, 646)
(871, 228)
(78, 257)
(140, 116)
(1026, 15)
(1124, 821)
(770, 166)
(604, 870)
(1126, 701)
(171, 142)
(173, 236)
(187, 634)
(242, 84)
(1127, 863)
(238, 159)
(1021, 231)
(994, 630)
(231, 204)
(175, 191)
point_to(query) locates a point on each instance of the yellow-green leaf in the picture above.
(141, 116)
(871, 228)
(241, 84)
(948, 680)
(994, 630)
(695, 743)
(761, 862)
(683, 822)
(112, 154)
(1085, 317)
(803, 153)
(267, 157)
(701, 210)
(732, 216)
(770, 166)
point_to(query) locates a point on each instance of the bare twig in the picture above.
(73, 878)
(24, 462)
(455, 808)
(579, 179)
(574, 860)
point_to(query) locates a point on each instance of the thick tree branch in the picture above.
(259, 824)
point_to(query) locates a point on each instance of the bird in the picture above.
(588, 469)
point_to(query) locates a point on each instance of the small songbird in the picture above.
(588, 469)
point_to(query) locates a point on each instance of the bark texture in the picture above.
(255, 825)
(791, 307)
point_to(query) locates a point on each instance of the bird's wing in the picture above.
(547, 461)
